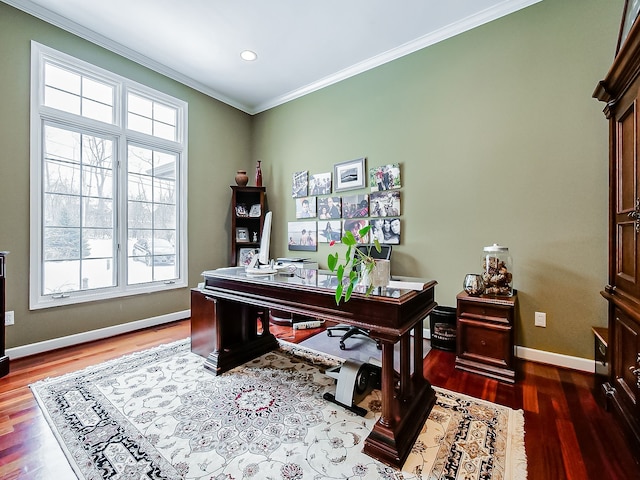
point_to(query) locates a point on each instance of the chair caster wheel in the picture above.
(329, 333)
(342, 346)
(378, 346)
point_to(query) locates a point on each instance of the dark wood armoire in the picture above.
(620, 90)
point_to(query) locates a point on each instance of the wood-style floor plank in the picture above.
(569, 435)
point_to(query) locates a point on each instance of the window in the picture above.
(108, 173)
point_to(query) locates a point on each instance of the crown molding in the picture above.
(469, 23)
(504, 8)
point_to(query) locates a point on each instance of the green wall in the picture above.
(219, 144)
(499, 141)
(495, 129)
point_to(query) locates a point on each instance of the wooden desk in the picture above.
(230, 316)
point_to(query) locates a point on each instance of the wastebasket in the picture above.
(443, 328)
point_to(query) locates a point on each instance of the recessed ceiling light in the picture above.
(248, 55)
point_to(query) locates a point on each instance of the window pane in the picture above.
(164, 114)
(162, 130)
(98, 212)
(61, 79)
(139, 124)
(60, 277)
(97, 111)
(62, 100)
(61, 210)
(98, 91)
(164, 165)
(62, 144)
(139, 105)
(98, 182)
(164, 217)
(62, 244)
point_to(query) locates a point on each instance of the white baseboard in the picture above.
(541, 356)
(525, 353)
(55, 343)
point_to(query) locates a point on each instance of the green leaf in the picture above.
(338, 293)
(364, 230)
(347, 295)
(332, 261)
(348, 238)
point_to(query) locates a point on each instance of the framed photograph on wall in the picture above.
(385, 230)
(329, 231)
(354, 226)
(349, 175)
(300, 184)
(328, 207)
(302, 236)
(242, 234)
(385, 204)
(385, 177)
(320, 184)
(306, 207)
(355, 206)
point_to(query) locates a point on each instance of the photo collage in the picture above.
(324, 213)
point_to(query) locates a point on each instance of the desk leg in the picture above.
(404, 410)
(236, 335)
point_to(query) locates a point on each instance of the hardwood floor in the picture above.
(568, 434)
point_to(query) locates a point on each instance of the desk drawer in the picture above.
(486, 343)
(492, 313)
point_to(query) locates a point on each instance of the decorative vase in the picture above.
(379, 276)
(258, 174)
(242, 178)
(474, 284)
(381, 273)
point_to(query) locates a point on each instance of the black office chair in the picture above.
(383, 254)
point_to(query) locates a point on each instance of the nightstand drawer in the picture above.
(483, 311)
(487, 343)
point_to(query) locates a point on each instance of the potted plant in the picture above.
(347, 272)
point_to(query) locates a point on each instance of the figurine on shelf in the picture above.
(258, 175)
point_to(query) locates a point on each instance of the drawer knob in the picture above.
(483, 343)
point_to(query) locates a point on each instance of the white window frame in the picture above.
(41, 114)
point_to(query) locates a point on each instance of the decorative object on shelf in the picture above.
(348, 270)
(241, 210)
(474, 284)
(242, 235)
(255, 210)
(258, 174)
(497, 270)
(242, 178)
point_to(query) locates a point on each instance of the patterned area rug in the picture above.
(159, 414)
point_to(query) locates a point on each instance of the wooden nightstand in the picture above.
(486, 336)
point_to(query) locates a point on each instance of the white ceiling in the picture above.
(302, 46)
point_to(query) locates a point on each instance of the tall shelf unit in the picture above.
(242, 200)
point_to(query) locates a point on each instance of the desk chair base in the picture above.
(351, 331)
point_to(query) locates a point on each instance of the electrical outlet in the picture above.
(540, 319)
(9, 318)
